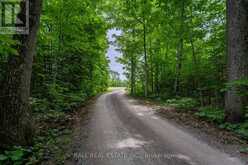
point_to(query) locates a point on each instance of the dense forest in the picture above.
(174, 48)
(189, 50)
(69, 64)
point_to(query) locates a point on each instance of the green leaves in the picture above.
(3, 158)
(15, 156)
(183, 103)
(212, 114)
(244, 150)
(241, 86)
(71, 64)
(241, 129)
(202, 28)
(7, 45)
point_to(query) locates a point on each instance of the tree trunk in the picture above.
(156, 79)
(151, 68)
(195, 65)
(180, 52)
(15, 116)
(132, 75)
(145, 49)
(133, 68)
(145, 57)
(237, 26)
(178, 67)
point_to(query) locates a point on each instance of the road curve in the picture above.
(122, 132)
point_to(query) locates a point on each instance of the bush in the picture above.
(183, 103)
(217, 116)
(241, 85)
(212, 114)
(15, 156)
(39, 105)
(241, 128)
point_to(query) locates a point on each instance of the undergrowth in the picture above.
(183, 103)
(52, 137)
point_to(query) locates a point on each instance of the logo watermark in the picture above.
(10, 22)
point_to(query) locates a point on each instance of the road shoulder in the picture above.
(205, 131)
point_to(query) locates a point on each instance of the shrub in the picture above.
(217, 116)
(183, 103)
(15, 156)
(212, 114)
(241, 128)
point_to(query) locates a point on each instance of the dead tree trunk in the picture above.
(237, 25)
(15, 117)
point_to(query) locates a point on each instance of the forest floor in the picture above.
(117, 129)
(53, 138)
(57, 134)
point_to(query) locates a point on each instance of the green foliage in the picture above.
(241, 128)
(15, 156)
(7, 45)
(54, 138)
(46, 146)
(212, 114)
(6, 49)
(195, 30)
(241, 85)
(244, 150)
(115, 80)
(71, 65)
(39, 105)
(216, 115)
(183, 103)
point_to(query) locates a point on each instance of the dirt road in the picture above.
(122, 132)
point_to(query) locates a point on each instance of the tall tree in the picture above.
(15, 119)
(179, 56)
(184, 44)
(237, 24)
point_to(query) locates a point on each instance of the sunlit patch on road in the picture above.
(130, 143)
(140, 114)
(155, 118)
(234, 160)
(185, 158)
